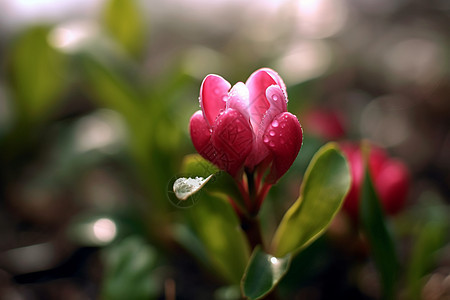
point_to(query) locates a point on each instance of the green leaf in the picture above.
(129, 270)
(124, 21)
(430, 237)
(221, 183)
(37, 74)
(111, 90)
(381, 242)
(263, 273)
(326, 182)
(186, 187)
(217, 227)
(195, 165)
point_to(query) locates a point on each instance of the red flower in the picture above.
(247, 126)
(390, 178)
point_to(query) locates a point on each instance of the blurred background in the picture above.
(95, 101)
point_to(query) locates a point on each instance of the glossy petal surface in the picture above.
(200, 132)
(238, 99)
(232, 137)
(284, 138)
(213, 96)
(277, 79)
(257, 85)
(278, 105)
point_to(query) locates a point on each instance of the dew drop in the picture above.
(272, 133)
(225, 98)
(274, 97)
(283, 125)
(266, 139)
(271, 144)
(275, 123)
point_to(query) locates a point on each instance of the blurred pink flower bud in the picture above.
(327, 124)
(247, 125)
(390, 178)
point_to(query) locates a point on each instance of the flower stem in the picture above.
(262, 195)
(251, 226)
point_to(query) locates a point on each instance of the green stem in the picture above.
(251, 227)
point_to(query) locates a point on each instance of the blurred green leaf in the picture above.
(110, 89)
(232, 292)
(37, 74)
(263, 273)
(381, 242)
(186, 236)
(195, 165)
(217, 227)
(128, 270)
(432, 236)
(325, 185)
(222, 182)
(124, 21)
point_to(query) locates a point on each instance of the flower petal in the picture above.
(213, 96)
(277, 79)
(200, 133)
(257, 85)
(278, 105)
(232, 136)
(283, 137)
(277, 100)
(354, 157)
(392, 185)
(238, 99)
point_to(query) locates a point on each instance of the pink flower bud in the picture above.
(247, 126)
(390, 178)
(327, 124)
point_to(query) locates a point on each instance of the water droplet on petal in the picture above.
(225, 98)
(271, 144)
(275, 123)
(283, 125)
(266, 139)
(272, 133)
(274, 97)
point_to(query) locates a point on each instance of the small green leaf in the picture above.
(124, 21)
(381, 242)
(186, 187)
(263, 273)
(325, 185)
(222, 182)
(216, 225)
(195, 165)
